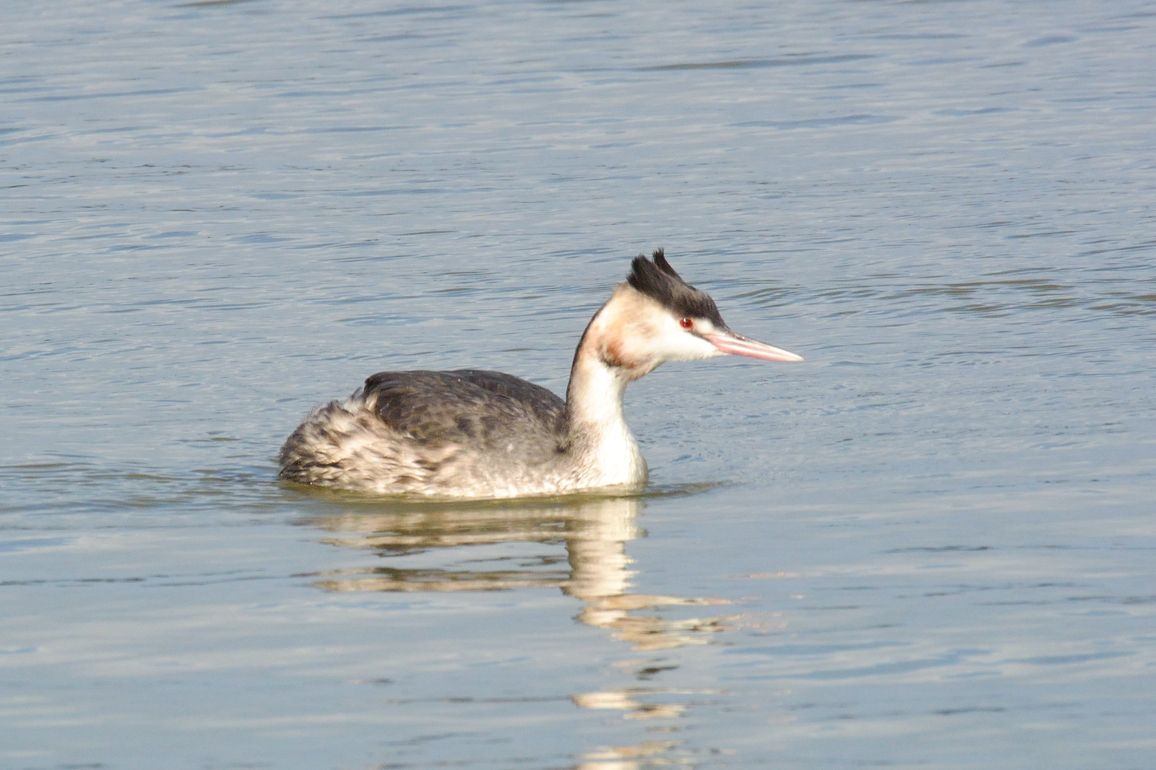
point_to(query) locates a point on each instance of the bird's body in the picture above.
(464, 433)
(480, 434)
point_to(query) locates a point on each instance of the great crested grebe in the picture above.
(477, 434)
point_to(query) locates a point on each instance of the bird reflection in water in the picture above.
(597, 572)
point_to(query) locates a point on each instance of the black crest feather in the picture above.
(657, 279)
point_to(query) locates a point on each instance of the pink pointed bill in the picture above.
(737, 345)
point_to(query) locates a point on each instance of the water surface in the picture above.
(930, 545)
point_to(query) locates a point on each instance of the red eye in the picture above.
(686, 323)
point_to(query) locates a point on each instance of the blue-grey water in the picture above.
(931, 545)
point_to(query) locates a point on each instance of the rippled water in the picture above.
(931, 545)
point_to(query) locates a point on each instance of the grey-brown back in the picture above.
(487, 411)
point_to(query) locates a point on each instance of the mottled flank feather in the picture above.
(467, 432)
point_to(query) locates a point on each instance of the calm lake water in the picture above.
(932, 545)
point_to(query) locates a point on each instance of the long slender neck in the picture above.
(599, 436)
(594, 396)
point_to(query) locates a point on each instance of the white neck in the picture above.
(602, 441)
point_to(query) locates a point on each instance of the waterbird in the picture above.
(480, 434)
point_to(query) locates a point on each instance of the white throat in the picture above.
(609, 455)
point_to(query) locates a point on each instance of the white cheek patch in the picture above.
(703, 326)
(673, 343)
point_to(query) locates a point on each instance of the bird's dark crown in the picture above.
(657, 280)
